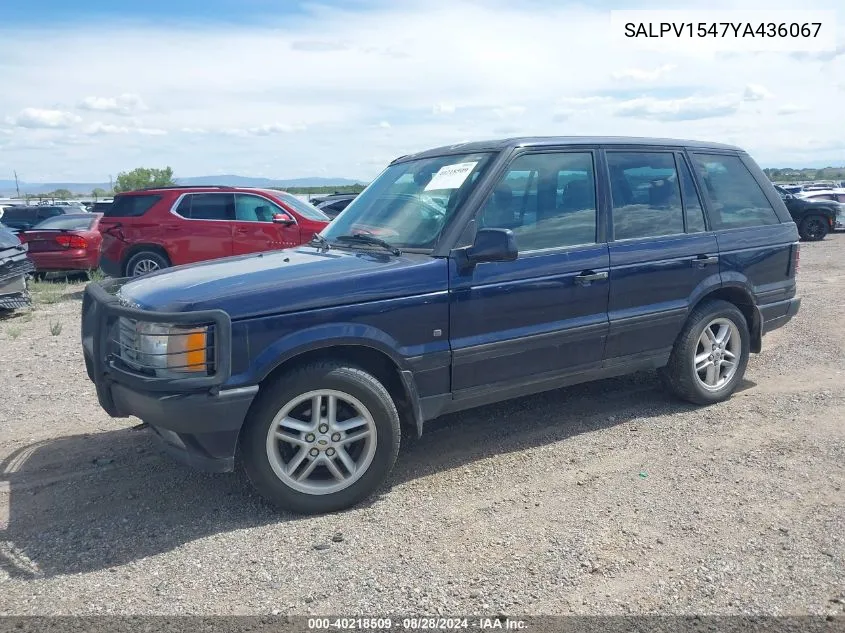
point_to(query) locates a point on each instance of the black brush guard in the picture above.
(102, 307)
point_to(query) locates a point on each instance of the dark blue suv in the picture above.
(461, 276)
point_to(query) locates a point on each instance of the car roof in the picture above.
(499, 145)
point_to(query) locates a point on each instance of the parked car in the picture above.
(144, 231)
(554, 261)
(100, 207)
(335, 204)
(65, 243)
(837, 194)
(14, 268)
(815, 218)
(25, 217)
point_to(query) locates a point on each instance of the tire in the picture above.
(145, 262)
(680, 375)
(266, 458)
(813, 228)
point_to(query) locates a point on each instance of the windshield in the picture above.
(303, 208)
(409, 203)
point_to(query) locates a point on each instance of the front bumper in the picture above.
(197, 418)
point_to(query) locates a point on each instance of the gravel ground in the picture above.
(607, 498)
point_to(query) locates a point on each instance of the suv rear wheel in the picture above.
(710, 354)
(813, 228)
(145, 262)
(321, 438)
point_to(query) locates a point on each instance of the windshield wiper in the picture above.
(320, 242)
(369, 239)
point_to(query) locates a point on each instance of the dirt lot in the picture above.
(602, 498)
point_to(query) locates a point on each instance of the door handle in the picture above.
(588, 276)
(702, 260)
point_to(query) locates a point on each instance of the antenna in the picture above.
(17, 186)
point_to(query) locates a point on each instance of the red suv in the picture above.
(152, 229)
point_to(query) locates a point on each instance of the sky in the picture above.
(339, 88)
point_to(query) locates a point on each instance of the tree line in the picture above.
(787, 174)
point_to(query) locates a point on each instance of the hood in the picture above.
(286, 281)
(805, 203)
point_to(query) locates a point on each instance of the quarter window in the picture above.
(736, 198)
(645, 194)
(548, 200)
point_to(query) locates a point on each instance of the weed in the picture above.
(55, 328)
(13, 332)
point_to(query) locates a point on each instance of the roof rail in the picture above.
(225, 187)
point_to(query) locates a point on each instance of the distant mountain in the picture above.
(245, 181)
(7, 187)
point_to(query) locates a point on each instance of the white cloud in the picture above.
(509, 112)
(306, 93)
(686, 109)
(37, 118)
(789, 108)
(98, 127)
(385, 125)
(756, 92)
(124, 104)
(639, 74)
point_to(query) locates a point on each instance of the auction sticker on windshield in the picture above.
(450, 176)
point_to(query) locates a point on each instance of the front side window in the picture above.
(645, 194)
(254, 209)
(411, 202)
(736, 199)
(547, 199)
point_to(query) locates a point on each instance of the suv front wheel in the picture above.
(321, 438)
(710, 354)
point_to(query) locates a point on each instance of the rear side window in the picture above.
(207, 206)
(646, 195)
(13, 214)
(736, 199)
(133, 206)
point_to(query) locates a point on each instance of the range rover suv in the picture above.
(461, 276)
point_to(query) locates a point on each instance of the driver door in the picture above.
(544, 315)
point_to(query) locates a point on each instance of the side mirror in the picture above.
(490, 245)
(283, 218)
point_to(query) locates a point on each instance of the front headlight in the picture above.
(165, 349)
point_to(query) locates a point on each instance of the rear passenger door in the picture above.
(545, 314)
(203, 228)
(755, 247)
(662, 257)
